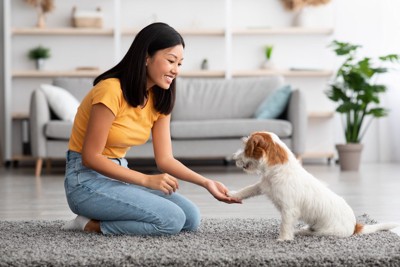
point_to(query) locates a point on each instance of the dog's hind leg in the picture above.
(306, 230)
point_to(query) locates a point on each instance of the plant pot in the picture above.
(267, 64)
(349, 156)
(40, 63)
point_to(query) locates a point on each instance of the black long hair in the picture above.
(131, 70)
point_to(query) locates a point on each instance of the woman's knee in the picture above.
(173, 223)
(193, 219)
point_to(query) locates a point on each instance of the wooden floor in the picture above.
(374, 190)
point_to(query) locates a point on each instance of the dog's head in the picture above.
(263, 148)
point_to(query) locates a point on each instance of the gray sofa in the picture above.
(209, 118)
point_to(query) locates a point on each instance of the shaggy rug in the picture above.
(219, 242)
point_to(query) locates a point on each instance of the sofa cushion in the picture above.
(230, 128)
(219, 98)
(275, 104)
(78, 87)
(56, 129)
(61, 102)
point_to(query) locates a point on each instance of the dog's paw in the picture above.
(231, 193)
(234, 194)
(283, 239)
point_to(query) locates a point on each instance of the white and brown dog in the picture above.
(297, 194)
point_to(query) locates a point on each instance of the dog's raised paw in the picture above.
(233, 194)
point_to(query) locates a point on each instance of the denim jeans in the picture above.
(124, 208)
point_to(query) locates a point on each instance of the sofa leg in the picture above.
(38, 169)
(48, 165)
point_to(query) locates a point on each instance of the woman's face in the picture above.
(163, 66)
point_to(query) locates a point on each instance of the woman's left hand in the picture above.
(220, 192)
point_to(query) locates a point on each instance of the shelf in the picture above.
(20, 116)
(193, 32)
(285, 31)
(23, 158)
(203, 73)
(321, 114)
(199, 73)
(90, 73)
(315, 155)
(200, 32)
(62, 31)
(288, 73)
(52, 74)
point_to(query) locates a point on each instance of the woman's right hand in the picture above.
(163, 182)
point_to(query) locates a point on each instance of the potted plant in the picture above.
(268, 54)
(39, 54)
(204, 64)
(357, 94)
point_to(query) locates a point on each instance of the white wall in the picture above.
(375, 24)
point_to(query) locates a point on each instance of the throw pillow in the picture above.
(274, 104)
(62, 102)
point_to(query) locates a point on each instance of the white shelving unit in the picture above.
(185, 32)
(216, 35)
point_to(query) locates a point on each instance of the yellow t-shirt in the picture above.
(131, 127)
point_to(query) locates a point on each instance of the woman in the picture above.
(126, 104)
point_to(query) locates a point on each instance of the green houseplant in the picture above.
(39, 54)
(357, 94)
(268, 51)
(268, 54)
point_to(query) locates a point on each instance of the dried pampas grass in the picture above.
(298, 4)
(43, 6)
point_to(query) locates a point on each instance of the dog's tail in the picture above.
(372, 228)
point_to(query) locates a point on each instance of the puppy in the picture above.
(295, 192)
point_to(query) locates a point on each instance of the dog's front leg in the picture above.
(287, 226)
(246, 192)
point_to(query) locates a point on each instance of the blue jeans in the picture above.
(124, 208)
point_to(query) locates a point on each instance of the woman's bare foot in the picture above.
(92, 226)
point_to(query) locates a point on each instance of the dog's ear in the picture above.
(261, 144)
(275, 154)
(255, 147)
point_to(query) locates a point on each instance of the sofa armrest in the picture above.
(39, 116)
(297, 115)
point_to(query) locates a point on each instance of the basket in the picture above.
(87, 19)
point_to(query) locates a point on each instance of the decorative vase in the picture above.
(298, 18)
(41, 22)
(40, 63)
(267, 64)
(349, 156)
